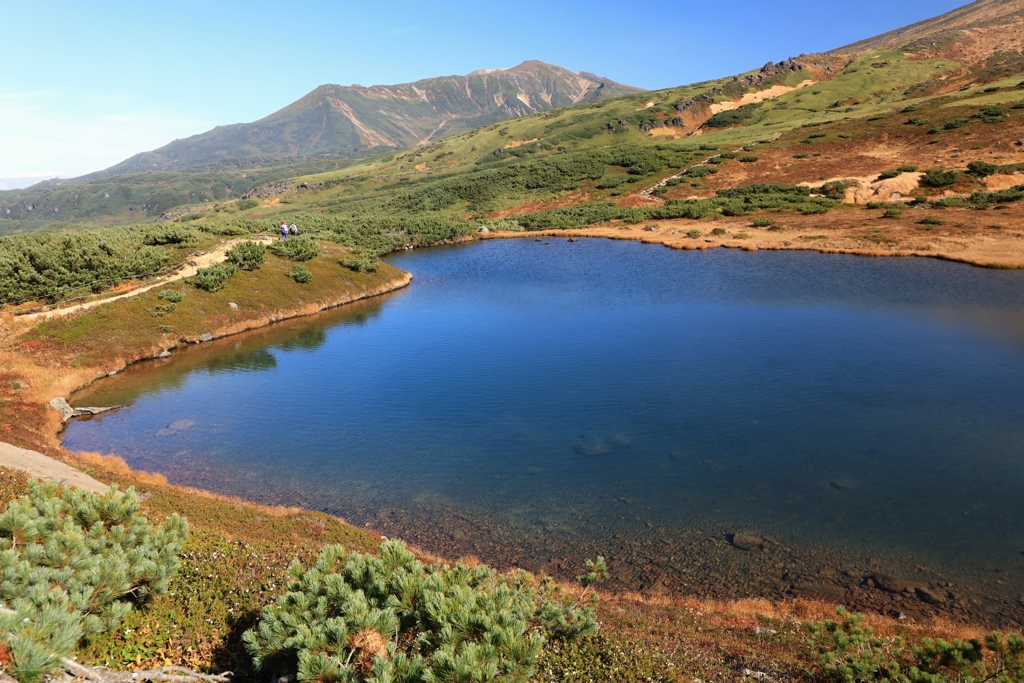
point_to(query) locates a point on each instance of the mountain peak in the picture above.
(350, 120)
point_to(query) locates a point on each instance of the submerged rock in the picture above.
(594, 449)
(746, 541)
(175, 427)
(891, 583)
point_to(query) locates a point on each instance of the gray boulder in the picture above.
(67, 412)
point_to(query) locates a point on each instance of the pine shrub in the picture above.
(300, 274)
(982, 168)
(762, 222)
(748, 159)
(382, 618)
(361, 262)
(298, 248)
(72, 564)
(172, 295)
(247, 255)
(213, 278)
(940, 177)
(849, 652)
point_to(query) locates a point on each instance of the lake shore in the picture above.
(963, 236)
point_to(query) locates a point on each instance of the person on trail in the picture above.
(292, 230)
(284, 230)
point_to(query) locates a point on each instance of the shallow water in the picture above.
(531, 402)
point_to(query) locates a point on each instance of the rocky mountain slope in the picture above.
(1004, 18)
(345, 120)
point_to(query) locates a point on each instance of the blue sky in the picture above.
(85, 85)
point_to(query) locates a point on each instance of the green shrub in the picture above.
(716, 160)
(817, 136)
(213, 278)
(892, 213)
(931, 221)
(613, 181)
(50, 267)
(300, 274)
(1019, 105)
(982, 169)
(800, 156)
(835, 189)
(735, 117)
(247, 204)
(73, 563)
(708, 148)
(917, 121)
(247, 255)
(171, 234)
(992, 114)
(161, 310)
(390, 618)
(886, 175)
(719, 231)
(762, 222)
(700, 171)
(361, 262)
(940, 177)
(298, 248)
(172, 295)
(693, 234)
(907, 169)
(849, 652)
(728, 155)
(955, 123)
(748, 159)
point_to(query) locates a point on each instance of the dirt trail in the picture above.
(45, 468)
(194, 264)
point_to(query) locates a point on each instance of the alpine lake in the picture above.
(720, 424)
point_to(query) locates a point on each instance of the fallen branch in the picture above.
(165, 674)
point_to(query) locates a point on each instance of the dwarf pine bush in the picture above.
(850, 652)
(71, 565)
(300, 274)
(213, 278)
(359, 617)
(361, 263)
(247, 255)
(298, 248)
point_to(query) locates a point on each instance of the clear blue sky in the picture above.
(84, 85)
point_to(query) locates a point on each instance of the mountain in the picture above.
(348, 120)
(1003, 18)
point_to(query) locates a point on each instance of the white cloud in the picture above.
(44, 134)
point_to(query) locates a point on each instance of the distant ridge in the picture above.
(349, 120)
(976, 14)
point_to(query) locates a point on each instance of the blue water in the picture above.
(584, 393)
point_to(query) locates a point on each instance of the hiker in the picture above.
(292, 230)
(284, 230)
